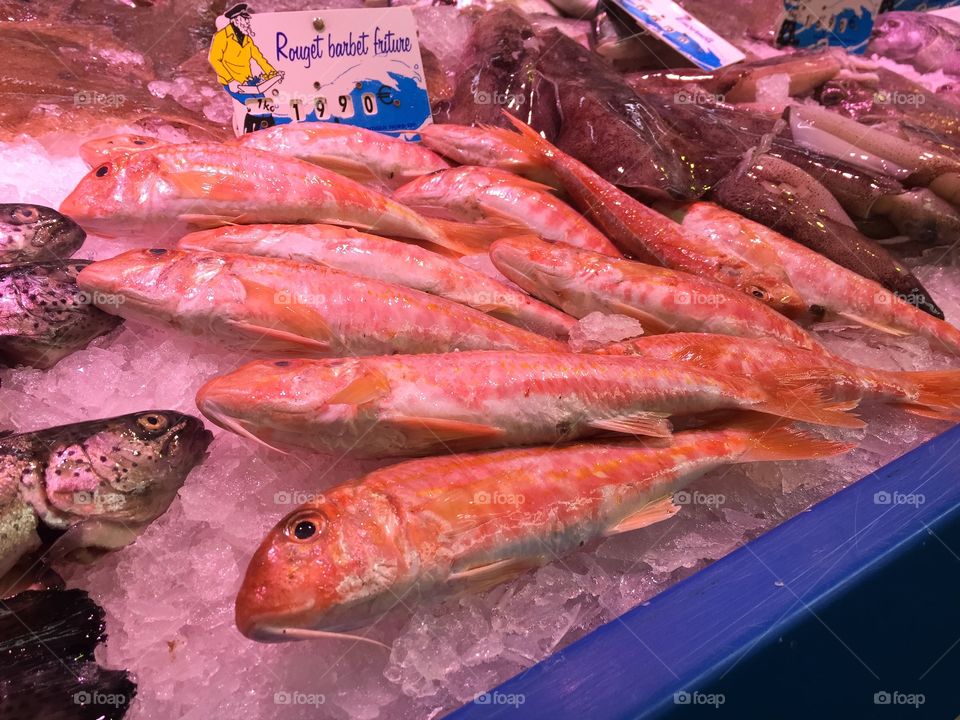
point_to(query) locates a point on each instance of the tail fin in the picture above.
(779, 439)
(472, 238)
(809, 395)
(528, 141)
(937, 389)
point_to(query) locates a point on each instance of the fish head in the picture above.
(774, 292)
(547, 270)
(114, 476)
(332, 564)
(118, 196)
(99, 150)
(278, 401)
(34, 232)
(149, 283)
(901, 35)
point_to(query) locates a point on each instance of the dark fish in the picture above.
(44, 316)
(752, 192)
(925, 41)
(99, 482)
(30, 233)
(47, 665)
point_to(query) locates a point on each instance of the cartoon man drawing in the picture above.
(232, 51)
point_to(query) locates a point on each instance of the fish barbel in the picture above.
(580, 282)
(446, 524)
(163, 191)
(387, 260)
(269, 305)
(44, 316)
(100, 150)
(34, 233)
(820, 281)
(404, 406)
(474, 194)
(367, 156)
(101, 481)
(650, 237)
(771, 364)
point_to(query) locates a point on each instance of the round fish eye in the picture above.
(305, 526)
(153, 422)
(102, 170)
(157, 251)
(25, 214)
(758, 293)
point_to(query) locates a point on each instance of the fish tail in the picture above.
(809, 395)
(528, 141)
(472, 238)
(780, 439)
(938, 393)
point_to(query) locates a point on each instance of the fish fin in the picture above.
(653, 424)
(207, 222)
(80, 540)
(199, 185)
(779, 439)
(372, 384)
(353, 169)
(529, 140)
(805, 395)
(873, 324)
(939, 389)
(483, 577)
(309, 634)
(651, 513)
(283, 336)
(258, 294)
(473, 238)
(441, 429)
(928, 412)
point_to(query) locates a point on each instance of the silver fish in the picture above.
(100, 481)
(30, 233)
(44, 316)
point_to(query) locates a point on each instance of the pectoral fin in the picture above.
(873, 324)
(434, 430)
(649, 514)
(371, 385)
(651, 324)
(484, 577)
(643, 423)
(283, 336)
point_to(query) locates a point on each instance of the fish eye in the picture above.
(157, 251)
(758, 293)
(25, 214)
(102, 170)
(304, 526)
(282, 363)
(153, 422)
(139, 142)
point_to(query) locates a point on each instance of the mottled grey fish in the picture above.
(44, 316)
(30, 233)
(100, 481)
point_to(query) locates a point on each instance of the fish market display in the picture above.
(100, 482)
(44, 316)
(31, 233)
(161, 192)
(47, 665)
(427, 404)
(387, 260)
(366, 156)
(425, 527)
(486, 146)
(821, 283)
(284, 307)
(934, 393)
(580, 282)
(484, 194)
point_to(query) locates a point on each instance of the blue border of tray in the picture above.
(896, 525)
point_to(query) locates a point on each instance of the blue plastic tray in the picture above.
(849, 610)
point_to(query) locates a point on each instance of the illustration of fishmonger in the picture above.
(232, 51)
